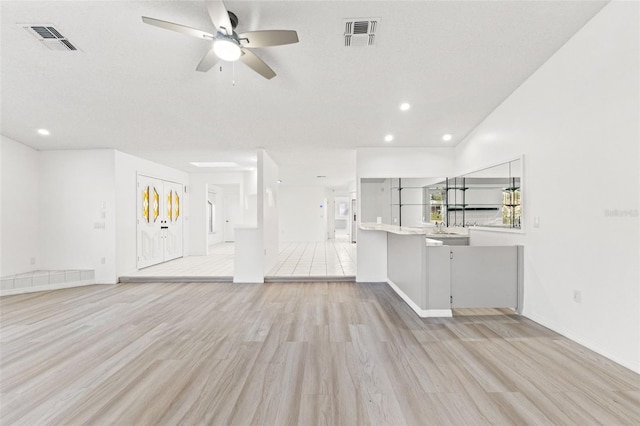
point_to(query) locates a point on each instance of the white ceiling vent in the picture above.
(360, 32)
(49, 36)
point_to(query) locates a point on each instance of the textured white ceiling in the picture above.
(134, 87)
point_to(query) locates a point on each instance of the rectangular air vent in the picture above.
(360, 32)
(49, 36)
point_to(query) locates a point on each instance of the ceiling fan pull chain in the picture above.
(233, 72)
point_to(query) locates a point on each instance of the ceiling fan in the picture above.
(227, 44)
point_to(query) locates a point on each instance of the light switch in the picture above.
(536, 222)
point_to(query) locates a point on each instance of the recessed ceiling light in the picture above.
(404, 106)
(388, 138)
(44, 132)
(214, 164)
(447, 137)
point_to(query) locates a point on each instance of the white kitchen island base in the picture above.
(433, 278)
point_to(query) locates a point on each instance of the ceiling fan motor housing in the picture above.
(234, 20)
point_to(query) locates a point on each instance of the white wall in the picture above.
(126, 168)
(302, 213)
(73, 209)
(404, 162)
(576, 122)
(19, 208)
(77, 205)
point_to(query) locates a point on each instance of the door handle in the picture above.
(164, 227)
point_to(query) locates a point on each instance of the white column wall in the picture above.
(249, 200)
(576, 120)
(268, 200)
(19, 208)
(197, 229)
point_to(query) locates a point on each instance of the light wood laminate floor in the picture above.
(280, 354)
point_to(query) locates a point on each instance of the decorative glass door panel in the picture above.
(149, 234)
(173, 221)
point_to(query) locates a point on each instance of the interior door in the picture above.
(231, 211)
(149, 219)
(172, 221)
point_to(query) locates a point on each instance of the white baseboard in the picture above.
(587, 344)
(422, 313)
(22, 290)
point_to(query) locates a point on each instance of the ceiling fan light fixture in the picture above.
(227, 49)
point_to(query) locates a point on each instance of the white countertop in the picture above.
(394, 229)
(429, 232)
(433, 238)
(445, 235)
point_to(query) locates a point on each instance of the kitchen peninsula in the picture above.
(415, 266)
(433, 274)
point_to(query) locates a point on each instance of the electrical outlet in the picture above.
(103, 260)
(32, 261)
(577, 296)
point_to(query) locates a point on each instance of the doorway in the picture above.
(342, 213)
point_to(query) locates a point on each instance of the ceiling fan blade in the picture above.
(252, 61)
(177, 27)
(269, 38)
(219, 16)
(208, 61)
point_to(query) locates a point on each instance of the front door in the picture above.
(150, 232)
(172, 220)
(159, 221)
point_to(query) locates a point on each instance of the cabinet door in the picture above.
(484, 277)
